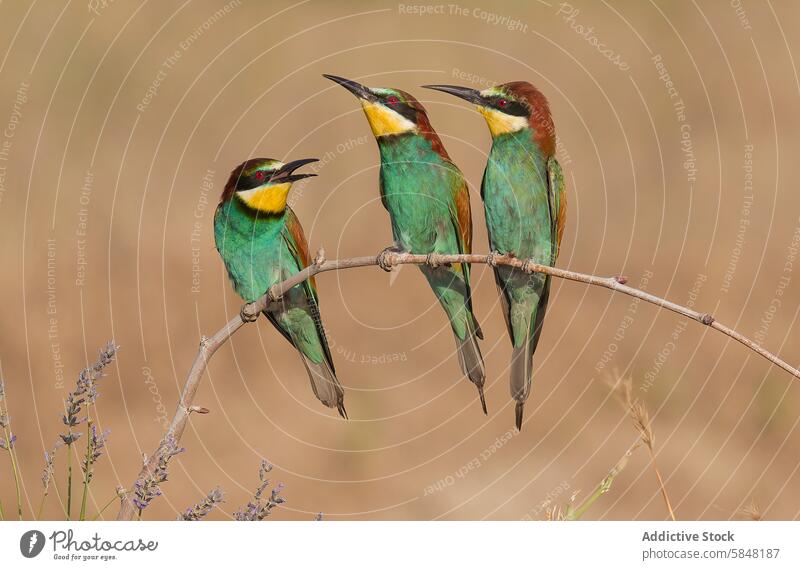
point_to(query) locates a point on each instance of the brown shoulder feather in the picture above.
(464, 214)
(298, 237)
(424, 125)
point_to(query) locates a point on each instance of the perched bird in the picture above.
(525, 204)
(428, 202)
(261, 242)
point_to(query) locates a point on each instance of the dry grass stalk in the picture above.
(752, 512)
(638, 413)
(574, 513)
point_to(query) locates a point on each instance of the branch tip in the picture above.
(320, 257)
(198, 409)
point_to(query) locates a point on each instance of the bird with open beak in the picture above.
(261, 243)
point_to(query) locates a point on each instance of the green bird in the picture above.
(525, 205)
(261, 242)
(428, 202)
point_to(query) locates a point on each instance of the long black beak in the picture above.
(465, 93)
(285, 173)
(355, 88)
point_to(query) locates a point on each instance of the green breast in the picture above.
(253, 249)
(416, 190)
(514, 193)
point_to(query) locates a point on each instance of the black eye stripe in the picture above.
(250, 182)
(401, 107)
(511, 108)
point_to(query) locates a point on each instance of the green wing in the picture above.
(557, 198)
(461, 217)
(295, 240)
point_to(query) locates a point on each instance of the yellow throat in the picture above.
(269, 199)
(501, 123)
(385, 121)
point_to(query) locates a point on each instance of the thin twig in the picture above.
(120, 493)
(208, 346)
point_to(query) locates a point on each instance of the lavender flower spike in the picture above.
(147, 488)
(85, 392)
(259, 508)
(8, 445)
(97, 441)
(204, 507)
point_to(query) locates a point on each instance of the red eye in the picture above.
(260, 175)
(392, 100)
(502, 103)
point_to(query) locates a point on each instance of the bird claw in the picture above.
(491, 259)
(527, 266)
(248, 313)
(386, 258)
(432, 260)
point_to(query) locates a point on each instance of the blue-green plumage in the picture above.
(525, 205)
(428, 203)
(416, 185)
(518, 218)
(261, 248)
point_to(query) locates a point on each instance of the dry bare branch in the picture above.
(208, 346)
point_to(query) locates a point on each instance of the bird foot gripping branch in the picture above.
(387, 258)
(491, 259)
(529, 266)
(248, 313)
(434, 260)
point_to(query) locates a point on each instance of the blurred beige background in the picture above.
(122, 120)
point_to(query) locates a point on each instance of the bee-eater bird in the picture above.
(428, 202)
(525, 203)
(261, 242)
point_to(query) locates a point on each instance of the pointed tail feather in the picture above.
(471, 360)
(520, 376)
(522, 357)
(325, 384)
